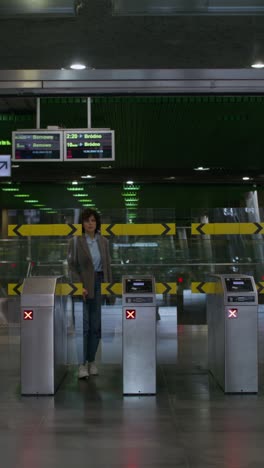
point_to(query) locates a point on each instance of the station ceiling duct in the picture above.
(43, 8)
(186, 7)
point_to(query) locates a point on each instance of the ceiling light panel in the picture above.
(183, 7)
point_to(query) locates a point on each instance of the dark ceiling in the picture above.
(104, 41)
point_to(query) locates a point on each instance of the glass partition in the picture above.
(169, 258)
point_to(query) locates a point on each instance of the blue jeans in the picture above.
(92, 322)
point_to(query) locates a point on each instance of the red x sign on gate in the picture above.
(232, 313)
(130, 314)
(28, 314)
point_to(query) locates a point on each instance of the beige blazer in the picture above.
(81, 264)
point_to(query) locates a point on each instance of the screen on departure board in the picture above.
(37, 145)
(89, 145)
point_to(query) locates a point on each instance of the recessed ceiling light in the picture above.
(88, 176)
(245, 178)
(257, 65)
(201, 168)
(10, 189)
(78, 195)
(74, 182)
(78, 66)
(75, 189)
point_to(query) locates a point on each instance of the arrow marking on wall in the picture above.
(200, 287)
(109, 288)
(69, 289)
(259, 288)
(117, 288)
(62, 289)
(74, 289)
(24, 230)
(166, 229)
(16, 230)
(200, 228)
(109, 229)
(18, 288)
(168, 288)
(14, 289)
(260, 228)
(158, 229)
(73, 229)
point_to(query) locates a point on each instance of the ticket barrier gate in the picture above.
(43, 335)
(139, 335)
(232, 316)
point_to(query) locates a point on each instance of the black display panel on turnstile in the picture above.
(138, 286)
(238, 285)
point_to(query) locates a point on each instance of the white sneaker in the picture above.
(93, 369)
(83, 371)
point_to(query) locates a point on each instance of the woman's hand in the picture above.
(85, 293)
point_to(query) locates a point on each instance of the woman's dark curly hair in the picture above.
(86, 214)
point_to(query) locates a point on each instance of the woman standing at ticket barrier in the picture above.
(89, 263)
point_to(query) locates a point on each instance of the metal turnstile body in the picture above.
(232, 316)
(139, 335)
(43, 335)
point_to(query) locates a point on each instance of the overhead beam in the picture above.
(92, 82)
(189, 7)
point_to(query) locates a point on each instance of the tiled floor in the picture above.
(191, 423)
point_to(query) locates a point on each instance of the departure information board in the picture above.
(85, 145)
(37, 145)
